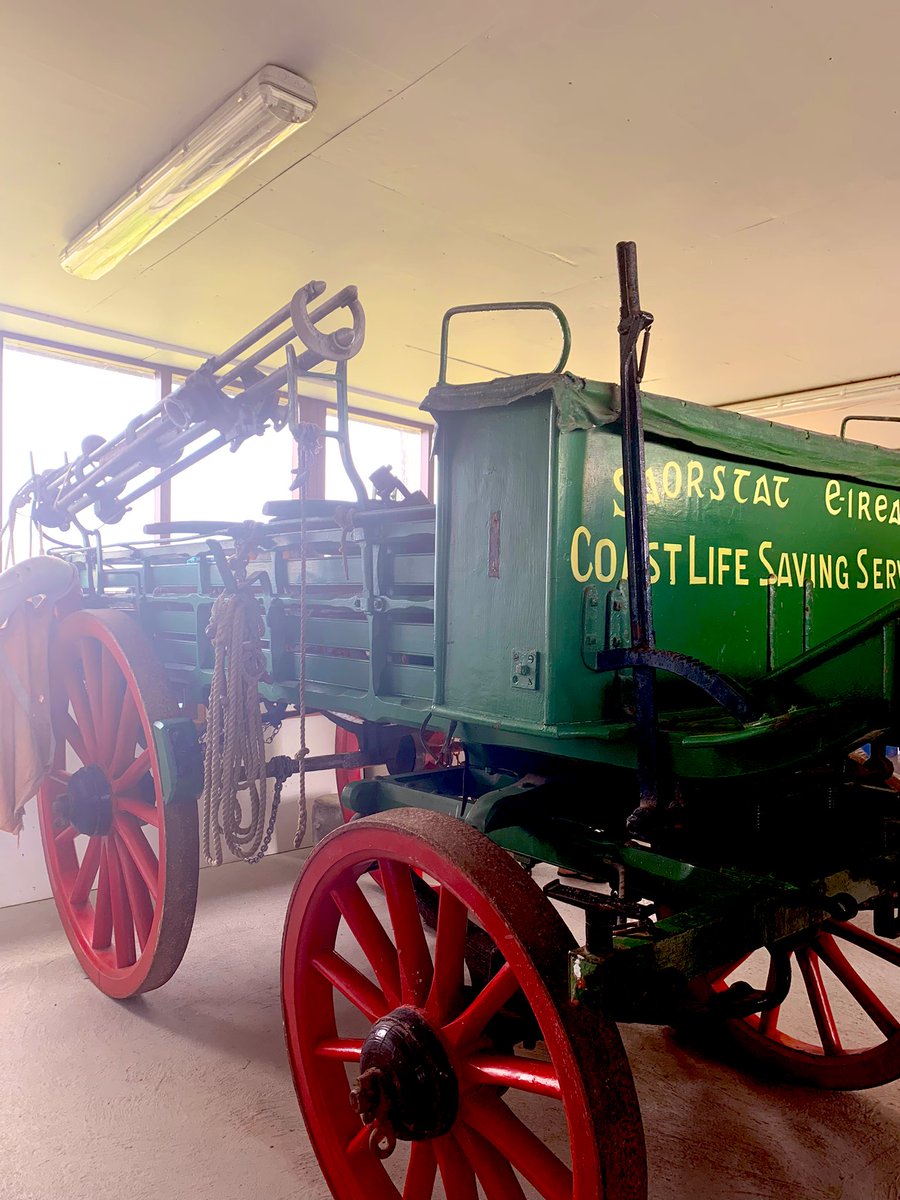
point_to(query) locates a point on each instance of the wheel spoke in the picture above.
(412, 948)
(818, 1001)
(123, 921)
(866, 941)
(91, 652)
(497, 1178)
(130, 776)
(449, 957)
(471, 1022)
(87, 872)
(342, 1049)
(420, 1172)
(371, 937)
(871, 1005)
(101, 934)
(69, 834)
(456, 1170)
(509, 1071)
(523, 1149)
(129, 726)
(148, 813)
(352, 984)
(72, 734)
(768, 1018)
(138, 897)
(135, 842)
(112, 690)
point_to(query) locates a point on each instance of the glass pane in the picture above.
(372, 446)
(49, 405)
(234, 487)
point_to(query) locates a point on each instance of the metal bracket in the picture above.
(525, 669)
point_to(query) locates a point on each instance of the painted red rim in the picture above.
(331, 1000)
(345, 742)
(126, 896)
(840, 1027)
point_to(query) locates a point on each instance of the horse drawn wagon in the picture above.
(636, 640)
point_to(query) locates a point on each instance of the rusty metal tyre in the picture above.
(809, 1039)
(457, 1082)
(123, 866)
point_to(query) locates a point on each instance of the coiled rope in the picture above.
(234, 757)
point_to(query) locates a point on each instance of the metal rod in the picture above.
(633, 322)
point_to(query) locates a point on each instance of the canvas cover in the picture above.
(585, 404)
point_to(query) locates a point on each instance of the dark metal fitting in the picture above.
(841, 907)
(742, 1000)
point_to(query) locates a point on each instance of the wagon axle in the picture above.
(88, 803)
(407, 1088)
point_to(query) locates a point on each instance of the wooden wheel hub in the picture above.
(88, 802)
(406, 1078)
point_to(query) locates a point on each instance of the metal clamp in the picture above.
(329, 347)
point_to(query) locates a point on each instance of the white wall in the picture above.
(23, 876)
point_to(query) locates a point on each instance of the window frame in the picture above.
(167, 375)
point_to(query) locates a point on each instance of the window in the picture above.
(374, 444)
(54, 396)
(234, 487)
(50, 403)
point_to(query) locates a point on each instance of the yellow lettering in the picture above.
(767, 566)
(778, 480)
(695, 475)
(841, 572)
(654, 565)
(619, 485)
(740, 567)
(877, 568)
(724, 565)
(863, 499)
(580, 533)
(693, 577)
(863, 554)
(739, 476)
(890, 570)
(652, 489)
(832, 493)
(761, 493)
(784, 570)
(672, 480)
(672, 548)
(719, 481)
(881, 508)
(895, 513)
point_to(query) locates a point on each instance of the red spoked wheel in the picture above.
(123, 866)
(840, 1024)
(376, 1005)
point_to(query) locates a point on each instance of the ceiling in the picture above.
(475, 151)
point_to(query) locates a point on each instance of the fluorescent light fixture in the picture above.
(251, 122)
(840, 395)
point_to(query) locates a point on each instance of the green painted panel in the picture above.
(494, 476)
(751, 564)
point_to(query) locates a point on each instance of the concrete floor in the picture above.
(185, 1093)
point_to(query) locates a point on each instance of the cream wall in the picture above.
(828, 420)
